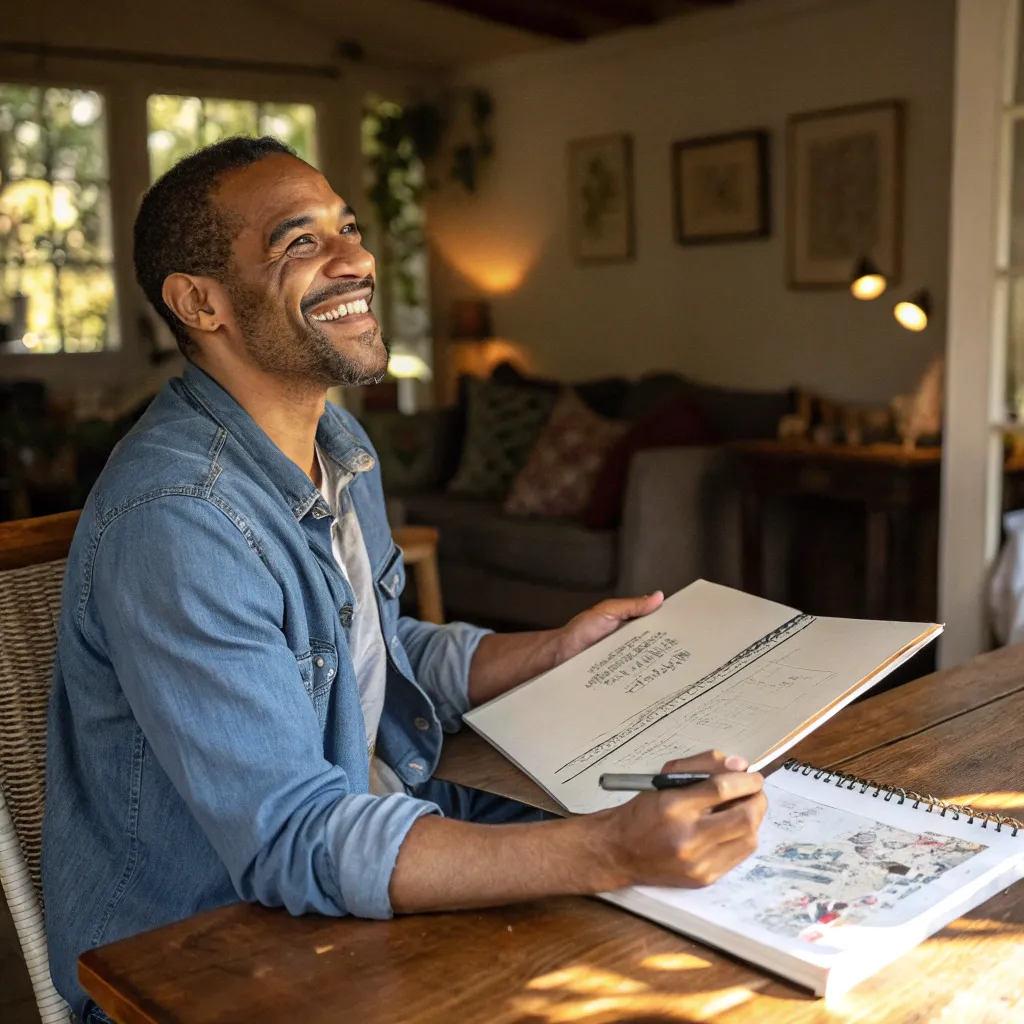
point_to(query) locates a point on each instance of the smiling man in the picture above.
(238, 709)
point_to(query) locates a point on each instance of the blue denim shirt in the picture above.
(206, 741)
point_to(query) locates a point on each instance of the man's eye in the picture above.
(302, 242)
(350, 229)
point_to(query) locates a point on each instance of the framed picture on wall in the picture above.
(721, 188)
(601, 199)
(845, 193)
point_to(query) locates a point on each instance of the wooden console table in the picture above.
(953, 734)
(892, 483)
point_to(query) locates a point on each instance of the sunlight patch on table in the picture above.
(673, 962)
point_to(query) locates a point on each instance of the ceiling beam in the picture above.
(623, 12)
(544, 21)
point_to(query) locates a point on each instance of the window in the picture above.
(179, 125)
(56, 278)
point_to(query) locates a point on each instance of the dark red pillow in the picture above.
(679, 423)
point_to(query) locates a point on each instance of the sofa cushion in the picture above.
(559, 475)
(604, 396)
(502, 426)
(552, 551)
(414, 452)
(678, 424)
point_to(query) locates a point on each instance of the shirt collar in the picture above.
(334, 439)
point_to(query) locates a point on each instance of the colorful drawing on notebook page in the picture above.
(802, 888)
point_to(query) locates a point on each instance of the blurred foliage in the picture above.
(179, 125)
(56, 281)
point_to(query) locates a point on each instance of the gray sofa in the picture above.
(680, 522)
(680, 518)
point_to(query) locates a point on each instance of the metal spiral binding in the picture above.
(956, 811)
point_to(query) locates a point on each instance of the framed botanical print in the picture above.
(601, 199)
(721, 188)
(845, 190)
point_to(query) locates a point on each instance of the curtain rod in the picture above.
(42, 51)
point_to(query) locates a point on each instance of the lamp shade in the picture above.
(471, 320)
(868, 282)
(913, 313)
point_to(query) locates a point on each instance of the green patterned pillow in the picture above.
(502, 426)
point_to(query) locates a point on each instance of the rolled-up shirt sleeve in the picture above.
(194, 632)
(441, 657)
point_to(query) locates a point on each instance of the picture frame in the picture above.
(721, 188)
(845, 193)
(601, 216)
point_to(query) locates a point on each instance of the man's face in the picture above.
(300, 283)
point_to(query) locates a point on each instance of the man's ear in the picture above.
(196, 301)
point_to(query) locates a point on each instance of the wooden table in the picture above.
(954, 734)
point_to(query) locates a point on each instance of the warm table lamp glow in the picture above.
(868, 281)
(408, 368)
(913, 313)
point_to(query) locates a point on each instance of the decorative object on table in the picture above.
(853, 426)
(559, 475)
(919, 416)
(868, 281)
(915, 312)
(721, 188)
(845, 173)
(601, 199)
(502, 426)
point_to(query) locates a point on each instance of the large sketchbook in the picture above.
(713, 668)
(848, 875)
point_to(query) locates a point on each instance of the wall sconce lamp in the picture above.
(868, 282)
(913, 313)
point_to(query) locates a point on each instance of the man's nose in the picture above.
(349, 260)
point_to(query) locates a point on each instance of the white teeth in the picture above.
(359, 306)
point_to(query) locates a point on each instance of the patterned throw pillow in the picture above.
(560, 473)
(502, 426)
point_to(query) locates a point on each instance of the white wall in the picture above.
(231, 29)
(722, 312)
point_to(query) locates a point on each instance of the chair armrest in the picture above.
(681, 520)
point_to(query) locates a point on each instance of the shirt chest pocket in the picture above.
(319, 668)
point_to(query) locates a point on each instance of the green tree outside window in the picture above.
(56, 255)
(179, 125)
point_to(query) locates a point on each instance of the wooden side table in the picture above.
(892, 483)
(419, 548)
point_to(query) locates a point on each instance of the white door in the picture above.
(985, 346)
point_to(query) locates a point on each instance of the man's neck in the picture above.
(288, 413)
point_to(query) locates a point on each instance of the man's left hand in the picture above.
(504, 660)
(596, 623)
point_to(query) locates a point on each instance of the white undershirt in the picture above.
(365, 639)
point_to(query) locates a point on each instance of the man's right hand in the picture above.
(688, 837)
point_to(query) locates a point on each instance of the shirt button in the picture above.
(421, 723)
(319, 662)
(345, 614)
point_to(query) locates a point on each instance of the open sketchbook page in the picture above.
(713, 668)
(841, 879)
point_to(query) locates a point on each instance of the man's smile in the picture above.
(354, 307)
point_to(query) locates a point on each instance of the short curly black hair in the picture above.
(179, 230)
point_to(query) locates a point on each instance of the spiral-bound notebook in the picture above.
(848, 876)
